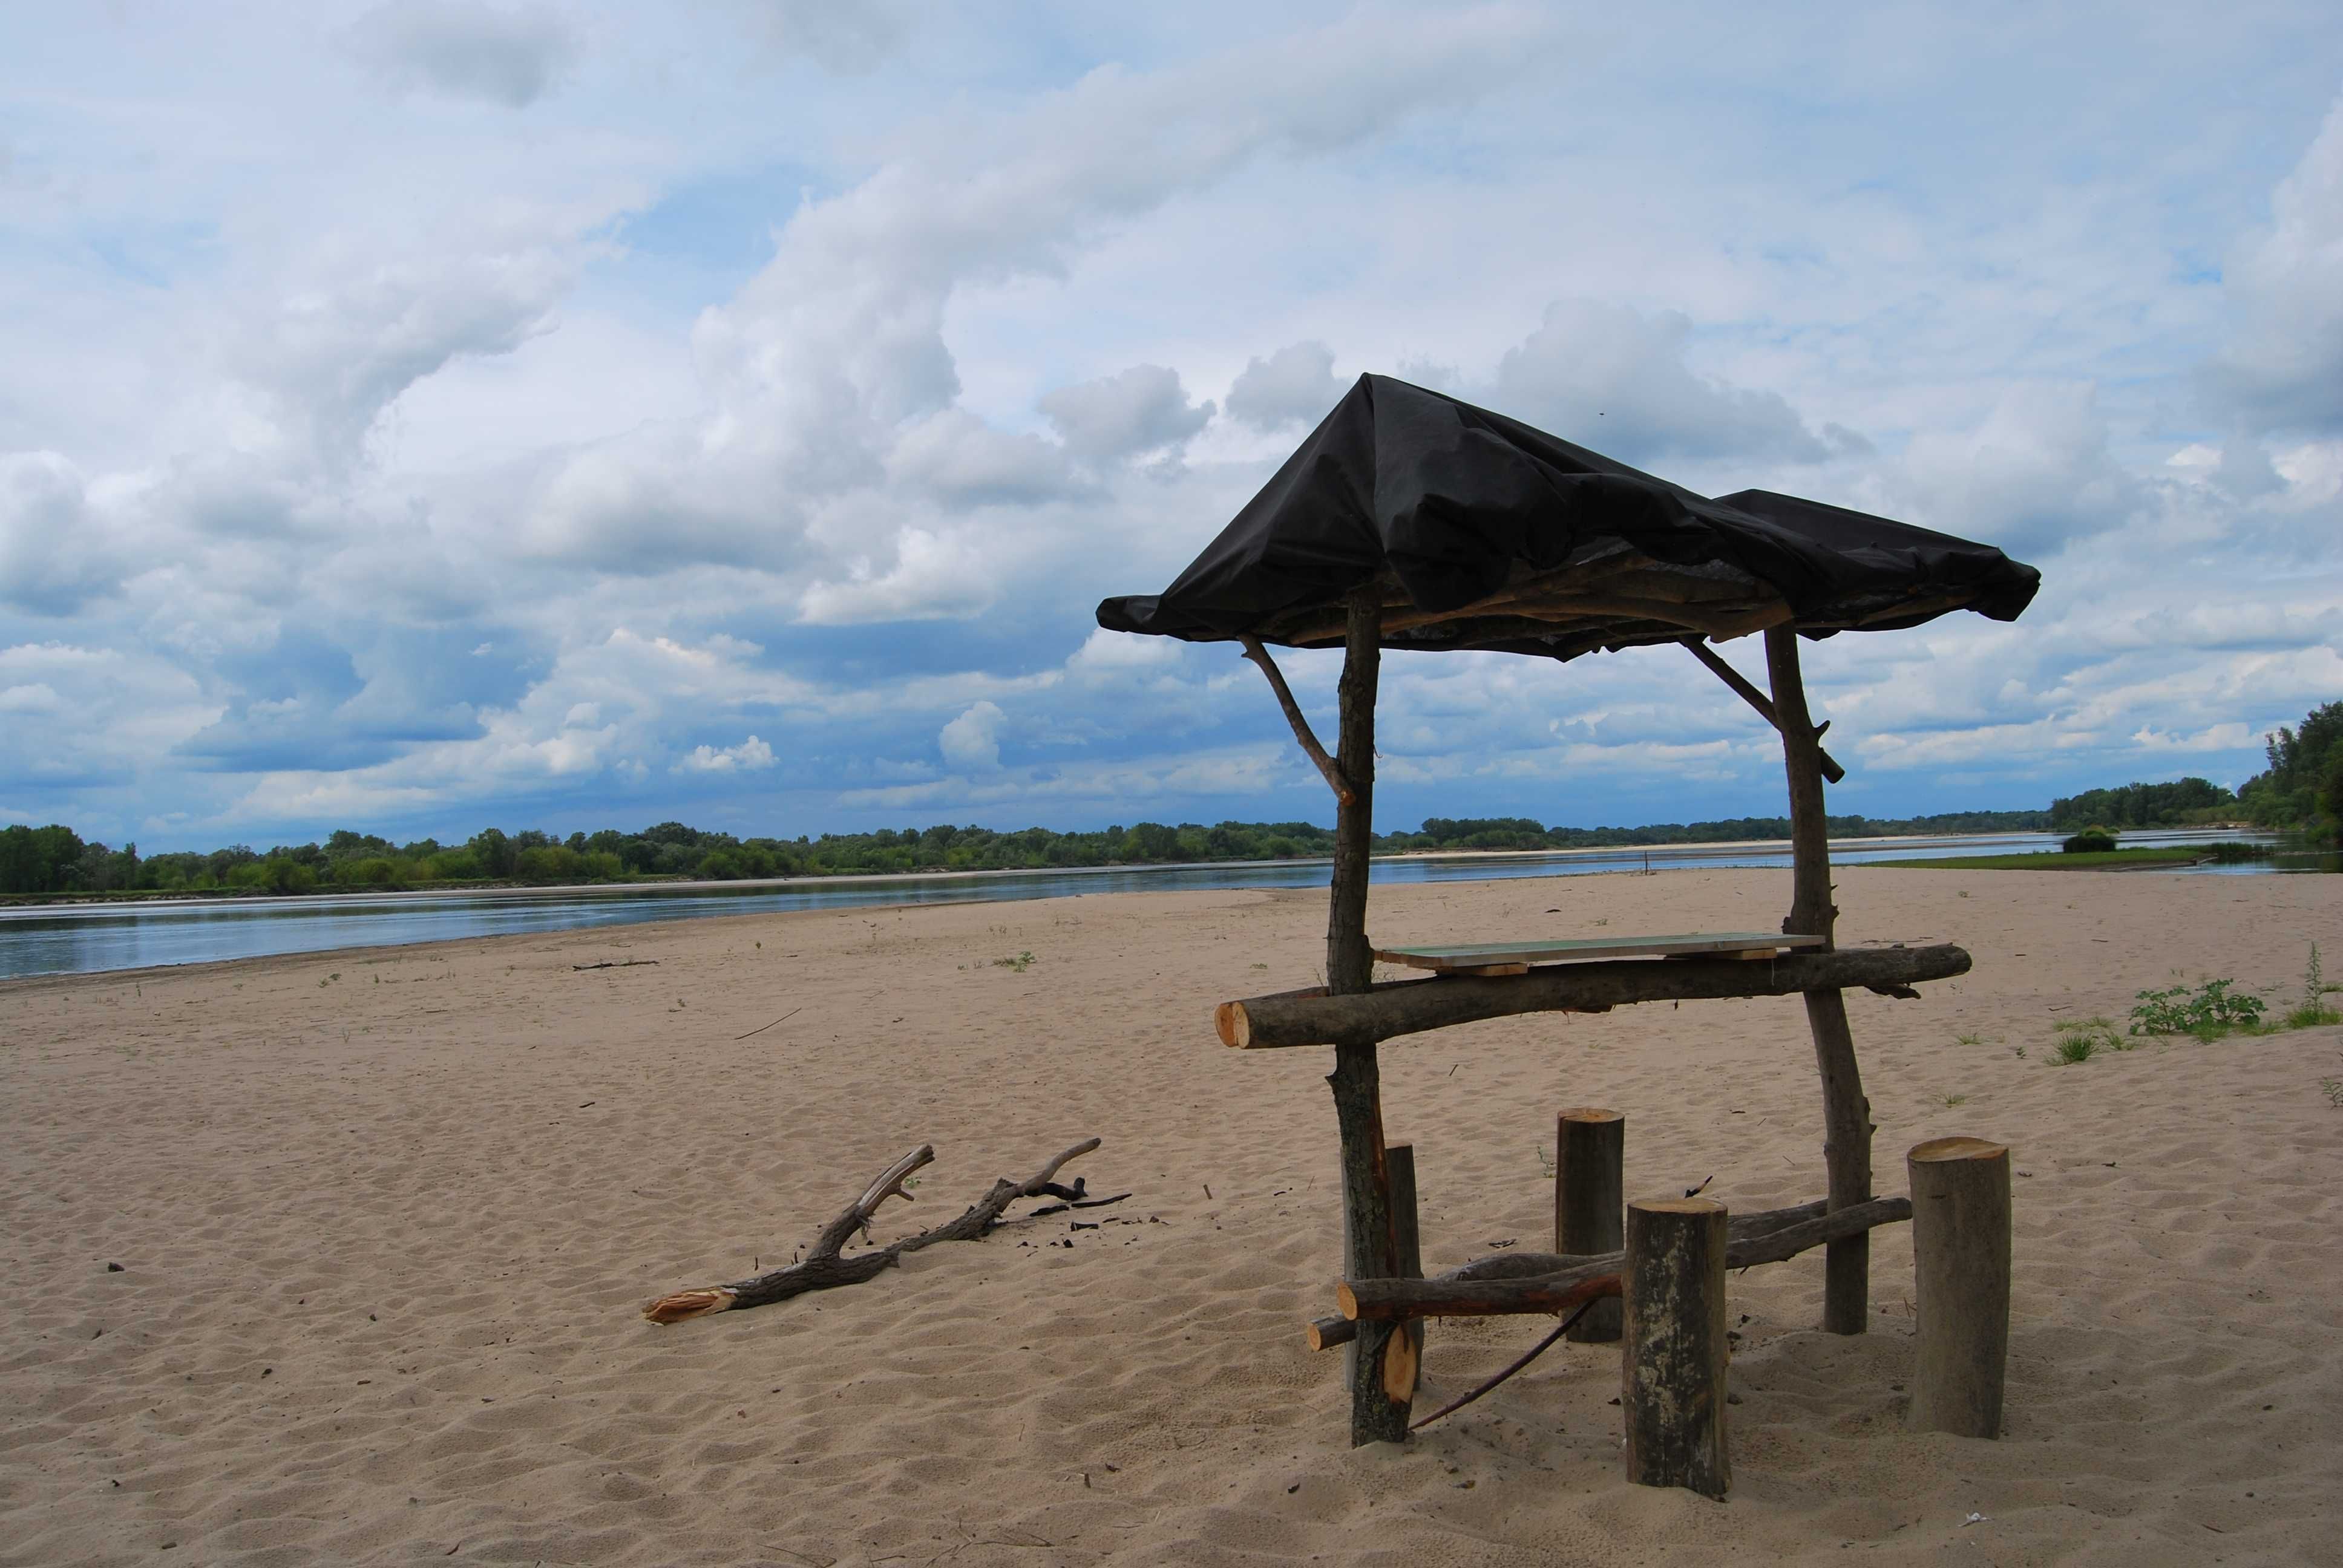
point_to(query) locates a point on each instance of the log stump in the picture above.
(1960, 1267)
(1589, 1203)
(1399, 1162)
(1671, 1377)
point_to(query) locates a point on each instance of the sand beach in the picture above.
(385, 1219)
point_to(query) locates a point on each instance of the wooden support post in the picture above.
(1379, 1363)
(1589, 1202)
(1846, 1114)
(1672, 1379)
(1407, 1237)
(1960, 1267)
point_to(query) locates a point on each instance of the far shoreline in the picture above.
(12, 904)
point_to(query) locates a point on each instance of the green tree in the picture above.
(494, 851)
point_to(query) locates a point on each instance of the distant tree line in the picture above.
(2303, 786)
(54, 860)
(2183, 802)
(2301, 791)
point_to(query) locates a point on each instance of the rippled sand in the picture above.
(385, 1219)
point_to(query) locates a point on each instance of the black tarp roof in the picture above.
(1488, 534)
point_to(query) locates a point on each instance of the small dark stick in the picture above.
(1528, 1356)
(761, 1028)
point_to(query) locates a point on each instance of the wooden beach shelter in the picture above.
(1410, 520)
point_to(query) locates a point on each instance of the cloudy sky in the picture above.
(424, 414)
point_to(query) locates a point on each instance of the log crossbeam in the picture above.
(1394, 1008)
(1456, 1295)
(1325, 1334)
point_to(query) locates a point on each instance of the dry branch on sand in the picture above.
(823, 1267)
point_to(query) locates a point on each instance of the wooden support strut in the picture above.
(1381, 1363)
(1394, 1008)
(1258, 655)
(1846, 1114)
(1758, 700)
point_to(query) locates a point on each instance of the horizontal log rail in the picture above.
(1325, 1334)
(1395, 1007)
(1449, 1296)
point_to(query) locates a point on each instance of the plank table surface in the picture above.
(1482, 957)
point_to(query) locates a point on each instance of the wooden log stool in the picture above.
(1671, 1377)
(1589, 1203)
(1960, 1269)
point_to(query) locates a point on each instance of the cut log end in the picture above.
(1936, 1149)
(1327, 1334)
(1229, 1024)
(1399, 1365)
(687, 1304)
(1591, 1114)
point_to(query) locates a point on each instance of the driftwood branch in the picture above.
(1325, 1334)
(1410, 1007)
(1258, 655)
(1453, 1296)
(1757, 699)
(823, 1267)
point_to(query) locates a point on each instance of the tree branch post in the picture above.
(1846, 1114)
(1379, 1363)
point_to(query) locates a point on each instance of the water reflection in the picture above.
(99, 938)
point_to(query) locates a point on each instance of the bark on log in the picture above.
(1590, 1202)
(1847, 1114)
(1379, 1360)
(1960, 1265)
(1325, 1334)
(1458, 1295)
(823, 1269)
(1672, 1365)
(1395, 1007)
(1757, 699)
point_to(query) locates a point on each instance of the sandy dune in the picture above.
(385, 1219)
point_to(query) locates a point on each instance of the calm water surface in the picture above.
(98, 938)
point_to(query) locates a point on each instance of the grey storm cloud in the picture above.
(460, 50)
(2282, 367)
(1142, 409)
(1294, 386)
(851, 37)
(56, 552)
(1617, 380)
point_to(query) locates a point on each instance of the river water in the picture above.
(97, 938)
